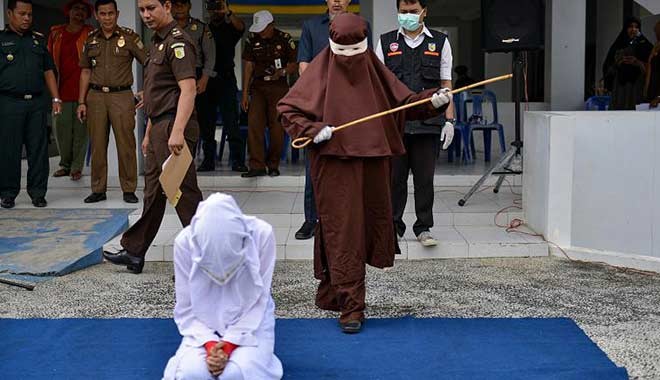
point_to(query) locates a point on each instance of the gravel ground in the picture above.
(619, 310)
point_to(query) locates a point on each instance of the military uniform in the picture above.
(110, 101)
(24, 107)
(266, 90)
(205, 49)
(221, 95)
(171, 59)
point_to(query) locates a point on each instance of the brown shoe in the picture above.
(61, 173)
(75, 176)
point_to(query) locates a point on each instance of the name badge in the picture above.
(278, 63)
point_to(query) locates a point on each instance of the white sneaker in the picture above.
(426, 239)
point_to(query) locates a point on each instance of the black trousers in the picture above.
(420, 159)
(220, 93)
(23, 122)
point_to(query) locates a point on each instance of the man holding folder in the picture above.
(172, 129)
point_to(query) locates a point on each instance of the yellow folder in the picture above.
(174, 170)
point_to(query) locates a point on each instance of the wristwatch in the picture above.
(453, 121)
(57, 100)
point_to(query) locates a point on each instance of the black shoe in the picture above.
(241, 168)
(95, 197)
(133, 263)
(39, 202)
(206, 166)
(130, 198)
(351, 327)
(254, 173)
(274, 172)
(306, 231)
(7, 203)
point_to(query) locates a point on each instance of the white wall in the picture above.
(594, 190)
(381, 14)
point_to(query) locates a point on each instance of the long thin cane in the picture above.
(302, 142)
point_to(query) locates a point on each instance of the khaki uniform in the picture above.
(268, 56)
(110, 102)
(171, 59)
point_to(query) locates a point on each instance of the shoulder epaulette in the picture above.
(128, 30)
(93, 31)
(34, 32)
(176, 32)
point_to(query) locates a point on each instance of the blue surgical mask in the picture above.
(409, 21)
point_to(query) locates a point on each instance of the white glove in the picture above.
(441, 97)
(324, 135)
(447, 135)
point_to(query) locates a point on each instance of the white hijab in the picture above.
(225, 280)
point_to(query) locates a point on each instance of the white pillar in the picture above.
(565, 49)
(3, 10)
(382, 16)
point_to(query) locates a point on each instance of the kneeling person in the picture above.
(223, 263)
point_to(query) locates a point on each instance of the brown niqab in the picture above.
(337, 89)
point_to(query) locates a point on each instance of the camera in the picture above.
(214, 5)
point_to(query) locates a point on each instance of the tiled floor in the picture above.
(468, 231)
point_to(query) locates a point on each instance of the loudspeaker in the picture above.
(512, 25)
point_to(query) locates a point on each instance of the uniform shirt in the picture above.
(23, 61)
(111, 59)
(226, 37)
(171, 59)
(269, 55)
(204, 45)
(446, 59)
(315, 37)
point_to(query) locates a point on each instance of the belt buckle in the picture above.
(27, 97)
(268, 78)
(105, 89)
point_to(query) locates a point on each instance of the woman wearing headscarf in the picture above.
(351, 170)
(624, 70)
(652, 90)
(223, 263)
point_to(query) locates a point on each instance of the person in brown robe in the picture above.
(351, 169)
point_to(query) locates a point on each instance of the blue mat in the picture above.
(38, 244)
(405, 348)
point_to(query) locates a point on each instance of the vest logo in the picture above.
(432, 46)
(394, 46)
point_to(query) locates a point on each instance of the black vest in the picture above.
(418, 68)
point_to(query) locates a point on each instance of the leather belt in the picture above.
(108, 89)
(21, 96)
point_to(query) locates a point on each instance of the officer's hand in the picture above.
(175, 143)
(57, 108)
(140, 100)
(201, 84)
(447, 135)
(245, 103)
(654, 103)
(145, 145)
(82, 113)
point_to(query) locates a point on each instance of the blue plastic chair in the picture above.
(458, 145)
(598, 103)
(477, 122)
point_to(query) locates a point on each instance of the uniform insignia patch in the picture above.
(10, 57)
(139, 44)
(178, 44)
(279, 47)
(180, 52)
(193, 27)
(292, 44)
(161, 46)
(432, 46)
(394, 46)
(121, 41)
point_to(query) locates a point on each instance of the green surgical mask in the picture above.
(409, 21)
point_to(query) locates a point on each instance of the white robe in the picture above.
(253, 332)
